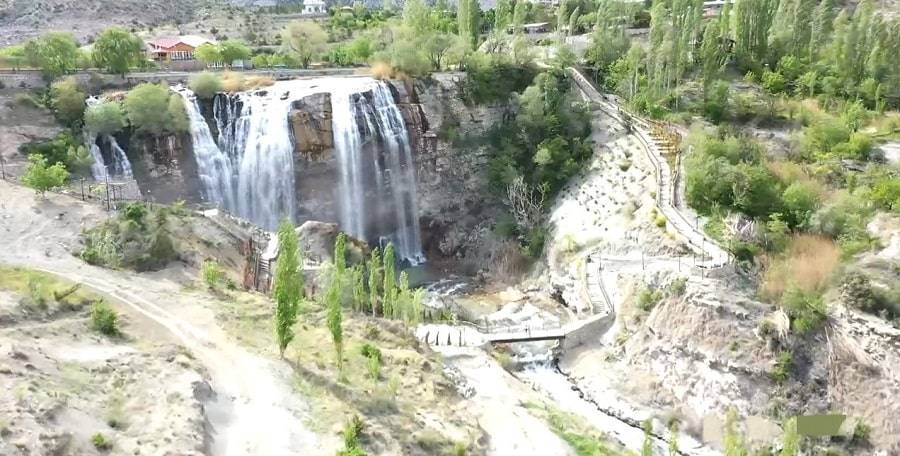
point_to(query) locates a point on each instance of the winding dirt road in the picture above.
(254, 410)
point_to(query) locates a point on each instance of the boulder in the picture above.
(317, 242)
(310, 120)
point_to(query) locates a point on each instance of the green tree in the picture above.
(374, 282)
(55, 53)
(42, 177)
(468, 17)
(334, 317)
(673, 438)
(389, 289)
(67, 100)
(734, 441)
(178, 119)
(287, 285)
(105, 118)
(647, 446)
(340, 256)
(206, 85)
(79, 160)
(209, 53)
(116, 50)
(800, 201)
(233, 50)
(752, 21)
(13, 57)
(147, 106)
(304, 40)
(258, 61)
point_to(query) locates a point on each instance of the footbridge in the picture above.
(466, 334)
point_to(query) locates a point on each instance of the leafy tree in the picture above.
(206, 85)
(147, 106)
(42, 177)
(389, 289)
(55, 53)
(79, 160)
(233, 50)
(304, 40)
(715, 103)
(209, 53)
(67, 100)
(105, 118)
(13, 56)
(647, 446)
(178, 119)
(800, 201)
(752, 20)
(333, 300)
(287, 285)
(258, 61)
(773, 81)
(117, 50)
(374, 282)
(468, 17)
(436, 46)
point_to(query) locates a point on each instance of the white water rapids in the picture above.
(248, 168)
(118, 165)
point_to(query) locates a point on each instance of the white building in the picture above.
(314, 7)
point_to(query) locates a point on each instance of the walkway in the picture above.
(465, 334)
(686, 225)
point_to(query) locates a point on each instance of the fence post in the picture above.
(82, 189)
(107, 192)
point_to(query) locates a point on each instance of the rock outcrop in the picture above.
(317, 242)
(310, 120)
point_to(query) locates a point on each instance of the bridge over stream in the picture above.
(465, 334)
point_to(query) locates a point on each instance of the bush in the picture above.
(648, 298)
(660, 220)
(67, 100)
(139, 240)
(783, 366)
(105, 118)
(104, 319)
(206, 85)
(800, 201)
(100, 442)
(862, 432)
(212, 274)
(352, 432)
(678, 286)
(42, 177)
(148, 109)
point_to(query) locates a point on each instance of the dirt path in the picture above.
(254, 410)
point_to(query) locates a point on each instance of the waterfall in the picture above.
(249, 167)
(214, 167)
(356, 120)
(119, 164)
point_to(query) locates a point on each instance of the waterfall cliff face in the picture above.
(252, 168)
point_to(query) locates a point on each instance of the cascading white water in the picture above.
(214, 167)
(356, 120)
(376, 192)
(119, 165)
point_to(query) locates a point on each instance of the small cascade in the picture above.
(118, 166)
(214, 167)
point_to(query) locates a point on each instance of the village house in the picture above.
(176, 52)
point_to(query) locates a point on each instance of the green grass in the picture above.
(583, 439)
(44, 287)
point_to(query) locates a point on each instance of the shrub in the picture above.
(105, 118)
(232, 82)
(67, 100)
(862, 432)
(100, 442)
(805, 308)
(352, 432)
(783, 365)
(135, 212)
(104, 319)
(800, 201)
(660, 220)
(141, 242)
(205, 85)
(648, 298)
(42, 177)
(212, 274)
(678, 286)
(147, 106)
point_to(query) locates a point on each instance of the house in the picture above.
(537, 27)
(178, 48)
(314, 7)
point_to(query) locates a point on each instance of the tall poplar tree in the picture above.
(389, 290)
(288, 285)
